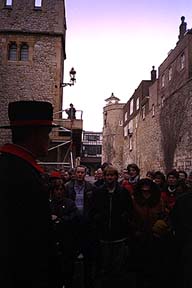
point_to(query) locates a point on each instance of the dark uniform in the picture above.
(26, 244)
(181, 217)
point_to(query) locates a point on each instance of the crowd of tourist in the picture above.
(129, 231)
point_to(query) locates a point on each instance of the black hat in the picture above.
(30, 113)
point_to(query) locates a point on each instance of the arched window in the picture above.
(24, 52)
(12, 52)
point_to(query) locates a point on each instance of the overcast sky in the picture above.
(113, 45)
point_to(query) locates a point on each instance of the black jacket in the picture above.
(111, 213)
(26, 245)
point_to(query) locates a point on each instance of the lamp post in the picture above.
(72, 74)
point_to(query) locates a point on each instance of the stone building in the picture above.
(32, 54)
(157, 118)
(112, 146)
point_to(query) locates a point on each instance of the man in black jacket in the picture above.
(111, 215)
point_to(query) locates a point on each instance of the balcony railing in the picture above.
(66, 125)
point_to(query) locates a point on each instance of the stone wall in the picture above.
(162, 139)
(147, 150)
(40, 77)
(112, 134)
(25, 18)
(146, 143)
(183, 153)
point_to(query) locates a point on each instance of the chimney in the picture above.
(182, 28)
(153, 74)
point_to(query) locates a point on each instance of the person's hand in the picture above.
(160, 227)
(53, 217)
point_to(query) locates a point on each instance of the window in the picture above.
(105, 118)
(153, 110)
(130, 143)
(12, 52)
(92, 150)
(131, 106)
(15, 54)
(125, 131)
(170, 73)
(130, 127)
(91, 137)
(136, 121)
(162, 101)
(143, 112)
(182, 61)
(24, 52)
(125, 116)
(137, 104)
(163, 81)
(8, 3)
(38, 3)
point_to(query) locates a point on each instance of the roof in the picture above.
(112, 97)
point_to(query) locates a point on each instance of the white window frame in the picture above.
(182, 61)
(170, 73)
(9, 3)
(163, 80)
(38, 3)
(130, 143)
(137, 103)
(126, 131)
(131, 107)
(125, 116)
(162, 101)
(136, 121)
(143, 112)
(153, 110)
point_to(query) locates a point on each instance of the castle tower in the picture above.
(32, 53)
(113, 132)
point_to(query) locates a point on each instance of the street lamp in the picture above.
(72, 74)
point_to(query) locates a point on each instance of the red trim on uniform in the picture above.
(30, 122)
(21, 153)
